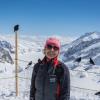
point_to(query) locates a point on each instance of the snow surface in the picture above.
(83, 84)
(92, 36)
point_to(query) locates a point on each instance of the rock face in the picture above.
(86, 47)
(5, 52)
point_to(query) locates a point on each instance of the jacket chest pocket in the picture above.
(40, 74)
(39, 79)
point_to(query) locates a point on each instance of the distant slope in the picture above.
(86, 47)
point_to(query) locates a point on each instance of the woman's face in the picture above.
(51, 51)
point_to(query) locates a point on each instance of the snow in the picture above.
(30, 49)
(94, 35)
(90, 47)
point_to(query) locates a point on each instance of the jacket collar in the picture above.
(53, 61)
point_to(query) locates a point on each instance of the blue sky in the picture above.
(47, 17)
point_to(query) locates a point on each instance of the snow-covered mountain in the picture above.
(26, 46)
(86, 47)
(30, 49)
(5, 50)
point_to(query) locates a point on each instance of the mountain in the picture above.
(86, 47)
(5, 50)
(26, 44)
(29, 50)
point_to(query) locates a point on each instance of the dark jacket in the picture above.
(44, 83)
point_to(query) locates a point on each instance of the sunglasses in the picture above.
(54, 47)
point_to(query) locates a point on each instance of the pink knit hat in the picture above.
(53, 41)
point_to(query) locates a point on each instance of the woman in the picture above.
(50, 77)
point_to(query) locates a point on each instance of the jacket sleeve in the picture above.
(65, 90)
(32, 87)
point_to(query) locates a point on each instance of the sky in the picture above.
(50, 17)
